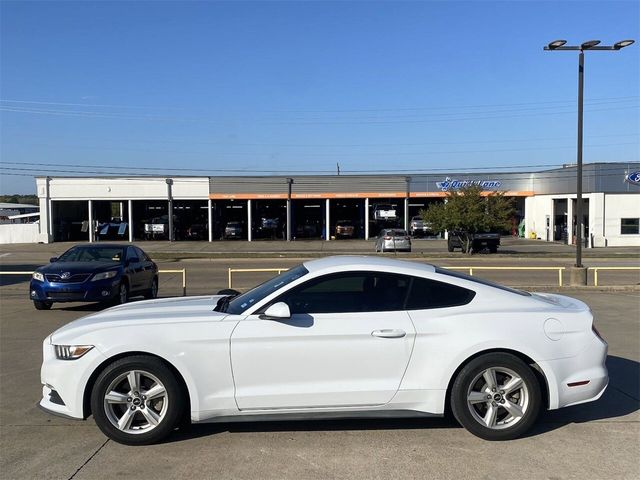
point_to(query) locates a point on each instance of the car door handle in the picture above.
(389, 333)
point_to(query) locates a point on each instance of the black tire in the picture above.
(153, 291)
(529, 395)
(493, 249)
(449, 247)
(42, 305)
(175, 398)
(122, 297)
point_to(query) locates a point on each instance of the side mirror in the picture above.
(53, 259)
(277, 311)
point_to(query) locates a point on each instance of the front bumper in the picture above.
(87, 291)
(587, 365)
(64, 381)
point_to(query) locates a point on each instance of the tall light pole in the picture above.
(590, 45)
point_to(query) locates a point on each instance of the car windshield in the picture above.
(385, 207)
(239, 304)
(397, 233)
(93, 254)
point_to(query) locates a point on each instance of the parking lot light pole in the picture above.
(170, 205)
(561, 45)
(289, 184)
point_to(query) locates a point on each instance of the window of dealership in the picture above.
(328, 207)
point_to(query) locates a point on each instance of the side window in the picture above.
(131, 253)
(141, 255)
(349, 292)
(427, 293)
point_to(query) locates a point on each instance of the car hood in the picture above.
(78, 267)
(157, 312)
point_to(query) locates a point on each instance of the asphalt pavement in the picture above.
(592, 441)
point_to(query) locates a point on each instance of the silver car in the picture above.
(393, 240)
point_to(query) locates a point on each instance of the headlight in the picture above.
(104, 275)
(71, 352)
(38, 276)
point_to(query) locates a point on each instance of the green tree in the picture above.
(468, 211)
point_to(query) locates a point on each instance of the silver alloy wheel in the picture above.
(136, 402)
(123, 293)
(498, 398)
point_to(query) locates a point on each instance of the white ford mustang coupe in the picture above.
(334, 337)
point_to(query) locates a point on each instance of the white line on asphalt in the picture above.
(4, 255)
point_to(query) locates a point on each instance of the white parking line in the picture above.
(4, 255)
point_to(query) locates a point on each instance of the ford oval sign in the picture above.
(633, 177)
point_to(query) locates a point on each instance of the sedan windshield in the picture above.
(242, 302)
(93, 254)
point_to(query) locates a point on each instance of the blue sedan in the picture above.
(108, 273)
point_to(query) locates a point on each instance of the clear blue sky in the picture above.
(300, 86)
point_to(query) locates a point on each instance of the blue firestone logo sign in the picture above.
(633, 177)
(450, 184)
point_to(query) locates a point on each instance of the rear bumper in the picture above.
(74, 292)
(589, 365)
(403, 245)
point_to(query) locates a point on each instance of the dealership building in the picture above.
(311, 206)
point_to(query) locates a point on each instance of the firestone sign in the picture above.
(450, 184)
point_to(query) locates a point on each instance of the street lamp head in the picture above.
(556, 44)
(589, 44)
(622, 44)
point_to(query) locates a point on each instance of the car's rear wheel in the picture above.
(153, 291)
(42, 305)
(137, 400)
(496, 397)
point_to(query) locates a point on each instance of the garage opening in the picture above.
(385, 213)
(150, 219)
(230, 219)
(110, 220)
(191, 221)
(308, 219)
(269, 219)
(70, 220)
(346, 217)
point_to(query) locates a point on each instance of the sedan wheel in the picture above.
(137, 400)
(153, 291)
(496, 397)
(123, 294)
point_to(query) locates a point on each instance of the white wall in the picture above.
(188, 188)
(617, 207)
(19, 233)
(605, 214)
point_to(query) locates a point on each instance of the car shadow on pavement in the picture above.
(621, 398)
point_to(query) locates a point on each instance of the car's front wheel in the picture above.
(496, 397)
(137, 400)
(42, 305)
(123, 294)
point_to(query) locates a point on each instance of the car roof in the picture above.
(354, 262)
(104, 245)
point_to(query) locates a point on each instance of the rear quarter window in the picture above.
(426, 294)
